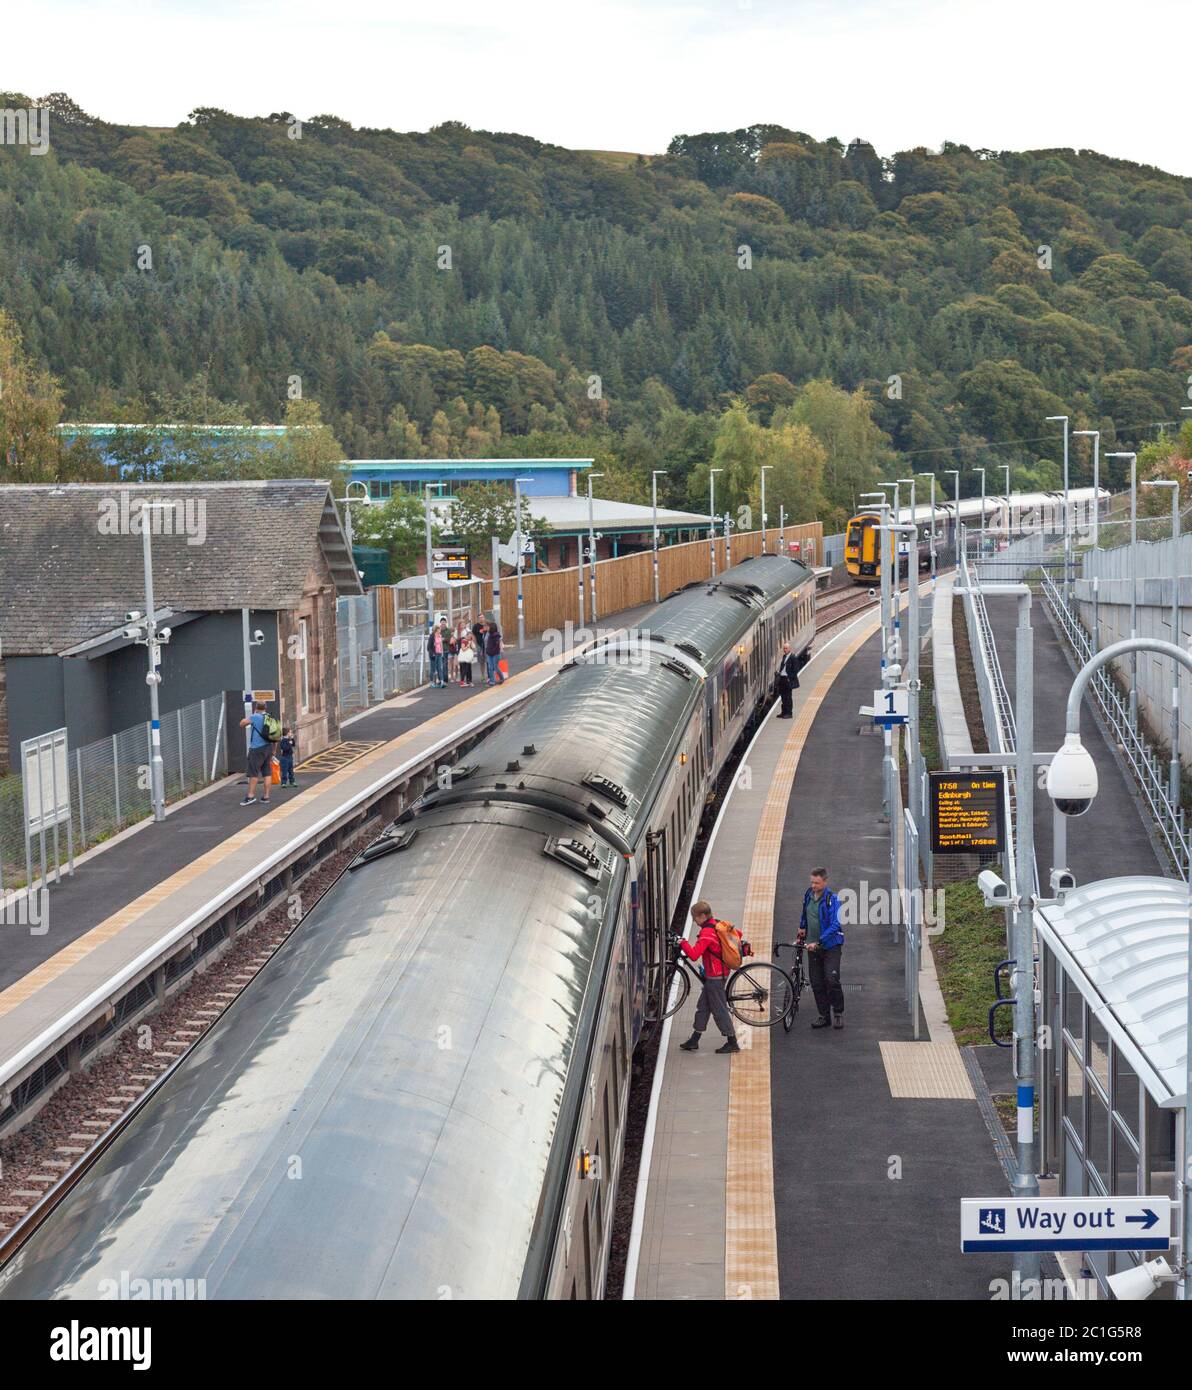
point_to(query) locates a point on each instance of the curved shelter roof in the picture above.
(1124, 942)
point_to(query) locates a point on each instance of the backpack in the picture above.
(272, 728)
(733, 947)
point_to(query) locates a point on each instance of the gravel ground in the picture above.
(60, 1134)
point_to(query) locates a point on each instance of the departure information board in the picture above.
(967, 813)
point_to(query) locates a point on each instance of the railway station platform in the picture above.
(158, 884)
(814, 1164)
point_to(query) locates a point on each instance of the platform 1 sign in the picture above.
(1064, 1223)
(891, 706)
(967, 813)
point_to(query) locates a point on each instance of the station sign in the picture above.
(891, 705)
(264, 697)
(967, 812)
(1064, 1223)
(451, 562)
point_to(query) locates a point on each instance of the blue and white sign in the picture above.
(891, 705)
(1065, 1223)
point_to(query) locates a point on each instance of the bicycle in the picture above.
(758, 994)
(798, 979)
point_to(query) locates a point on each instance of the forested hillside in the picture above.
(757, 295)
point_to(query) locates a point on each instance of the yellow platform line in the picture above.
(751, 1238)
(50, 970)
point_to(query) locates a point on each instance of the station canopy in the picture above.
(1124, 944)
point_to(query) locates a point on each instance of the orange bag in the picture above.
(275, 772)
(503, 666)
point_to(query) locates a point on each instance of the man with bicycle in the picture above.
(819, 928)
(715, 975)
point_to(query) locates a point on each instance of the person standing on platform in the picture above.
(787, 680)
(492, 654)
(819, 927)
(711, 1000)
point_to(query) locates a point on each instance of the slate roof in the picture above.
(71, 564)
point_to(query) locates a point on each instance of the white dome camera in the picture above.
(1072, 778)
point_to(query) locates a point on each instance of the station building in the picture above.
(71, 567)
(1114, 973)
(555, 492)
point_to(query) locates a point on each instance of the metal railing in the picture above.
(1148, 769)
(110, 784)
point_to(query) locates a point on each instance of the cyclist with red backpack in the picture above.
(716, 945)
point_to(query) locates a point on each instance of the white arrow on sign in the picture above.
(1065, 1223)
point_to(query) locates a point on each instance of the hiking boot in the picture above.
(692, 1044)
(838, 1020)
(822, 1022)
(730, 1045)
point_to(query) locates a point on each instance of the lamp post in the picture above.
(1173, 769)
(144, 631)
(1005, 467)
(1095, 435)
(883, 575)
(781, 529)
(712, 472)
(981, 550)
(591, 548)
(1072, 744)
(891, 562)
(765, 468)
(430, 582)
(1067, 554)
(1133, 578)
(932, 477)
(654, 476)
(521, 603)
(955, 472)
(728, 542)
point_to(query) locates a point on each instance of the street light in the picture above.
(654, 476)
(143, 630)
(1067, 555)
(981, 552)
(955, 472)
(521, 603)
(1133, 578)
(591, 554)
(765, 468)
(932, 477)
(1071, 765)
(712, 472)
(1173, 771)
(1005, 467)
(1095, 435)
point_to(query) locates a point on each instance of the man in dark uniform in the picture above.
(787, 679)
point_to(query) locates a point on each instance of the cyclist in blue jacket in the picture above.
(819, 928)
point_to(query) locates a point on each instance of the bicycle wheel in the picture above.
(676, 986)
(797, 981)
(760, 994)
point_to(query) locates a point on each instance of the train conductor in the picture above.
(787, 679)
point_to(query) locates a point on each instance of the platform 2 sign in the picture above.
(967, 813)
(451, 562)
(1064, 1223)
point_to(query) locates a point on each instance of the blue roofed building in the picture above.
(546, 477)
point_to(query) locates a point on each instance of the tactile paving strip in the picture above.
(337, 756)
(926, 1071)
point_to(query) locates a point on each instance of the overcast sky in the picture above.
(610, 74)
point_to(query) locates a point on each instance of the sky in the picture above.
(611, 74)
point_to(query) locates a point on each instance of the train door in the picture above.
(657, 921)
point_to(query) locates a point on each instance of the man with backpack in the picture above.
(716, 944)
(265, 732)
(819, 927)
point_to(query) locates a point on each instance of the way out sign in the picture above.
(1065, 1223)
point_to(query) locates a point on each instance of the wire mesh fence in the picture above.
(111, 787)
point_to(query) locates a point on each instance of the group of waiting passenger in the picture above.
(454, 652)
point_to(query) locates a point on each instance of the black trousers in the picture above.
(823, 969)
(784, 694)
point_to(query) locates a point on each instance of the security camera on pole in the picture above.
(712, 472)
(764, 470)
(521, 604)
(955, 472)
(591, 550)
(933, 544)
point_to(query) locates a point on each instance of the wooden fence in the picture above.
(552, 597)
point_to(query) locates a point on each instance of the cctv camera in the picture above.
(258, 635)
(133, 615)
(1133, 1285)
(993, 889)
(1062, 880)
(1072, 778)
(165, 634)
(132, 633)
(152, 678)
